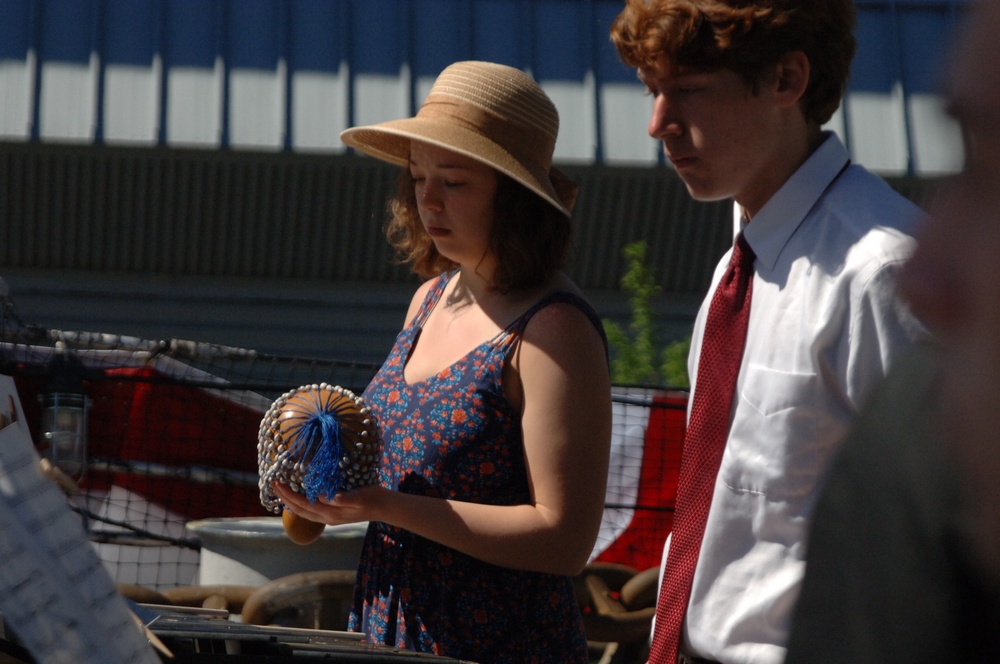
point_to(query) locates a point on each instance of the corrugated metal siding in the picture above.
(618, 206)
(284, 215)
(283, 253)
(193, 212)
(245, 214)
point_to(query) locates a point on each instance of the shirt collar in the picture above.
(774, 224)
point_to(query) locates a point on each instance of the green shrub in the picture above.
(675, 363)
(635, 355)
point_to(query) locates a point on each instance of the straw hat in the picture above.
(492, 113)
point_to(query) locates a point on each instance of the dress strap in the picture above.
(513, 332)
(432, 298)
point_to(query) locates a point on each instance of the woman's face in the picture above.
(455, 197)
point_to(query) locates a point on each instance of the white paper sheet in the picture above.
(55, 595)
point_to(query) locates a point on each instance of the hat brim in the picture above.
(390, 142)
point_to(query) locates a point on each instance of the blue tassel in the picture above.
(320, 434)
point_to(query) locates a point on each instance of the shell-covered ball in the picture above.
(300, 529)
(319, 440)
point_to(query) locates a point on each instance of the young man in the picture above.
(904, 558)
(740, 93)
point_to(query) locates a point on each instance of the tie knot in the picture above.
(743, 255)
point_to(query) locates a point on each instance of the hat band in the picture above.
(529, 145)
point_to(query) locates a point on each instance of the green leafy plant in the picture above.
(636, 356)
(675, 367)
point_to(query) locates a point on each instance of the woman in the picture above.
(494, 404)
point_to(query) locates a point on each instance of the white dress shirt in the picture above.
(825, 324)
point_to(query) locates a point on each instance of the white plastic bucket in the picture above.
(254, 550)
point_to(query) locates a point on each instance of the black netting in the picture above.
(172, 434)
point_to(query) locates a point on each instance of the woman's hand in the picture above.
(345, 507)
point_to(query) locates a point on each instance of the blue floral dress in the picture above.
(455, 435)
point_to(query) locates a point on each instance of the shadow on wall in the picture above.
(284, 252)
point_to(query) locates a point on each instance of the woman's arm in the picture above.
(560, 369)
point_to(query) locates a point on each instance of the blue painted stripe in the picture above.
(443, 30)
(132, 31)
(500, 32)
(255, 34)
(876, 66)
(378, 34)
(900, 41)
(68, 30)
(192, 33)
(903, 42)
(562, 41)
(15, 29)
(927, 39)
(318, 40)
(608, 66)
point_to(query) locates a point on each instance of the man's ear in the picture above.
(792, 77)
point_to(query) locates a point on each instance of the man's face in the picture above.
(953, 281)
(715, 132)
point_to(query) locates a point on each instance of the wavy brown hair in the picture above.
(747, 37)
(529, 237)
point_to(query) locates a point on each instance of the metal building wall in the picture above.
(293, 216)
(290, 74)
(298, 216)
(193, 212)
(283, 252)
(172, 167)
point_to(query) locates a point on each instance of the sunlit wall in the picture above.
(291, 74)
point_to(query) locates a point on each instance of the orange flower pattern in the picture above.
(456, 436)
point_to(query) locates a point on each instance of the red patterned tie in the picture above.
(718, 367)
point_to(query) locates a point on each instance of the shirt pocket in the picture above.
(781, 436)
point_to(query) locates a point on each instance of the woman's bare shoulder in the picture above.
(418, 299)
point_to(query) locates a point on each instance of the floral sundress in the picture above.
(455, 435)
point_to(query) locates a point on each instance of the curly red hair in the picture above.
(746, 37)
